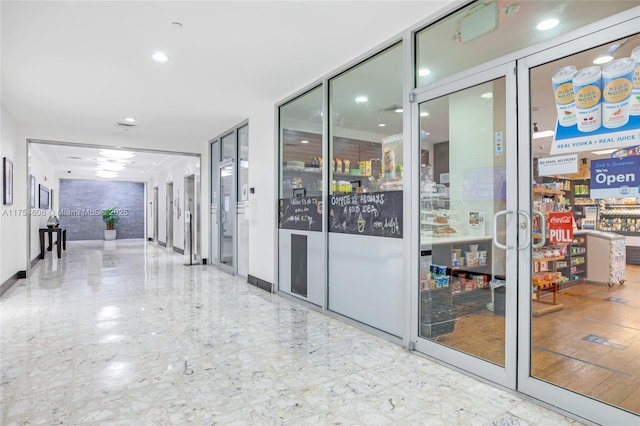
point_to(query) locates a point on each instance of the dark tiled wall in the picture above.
(81, 202)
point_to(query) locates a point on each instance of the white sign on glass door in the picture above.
(558, 165)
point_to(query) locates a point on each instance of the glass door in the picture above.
(579, 132)
(468, 223)
(227, 216)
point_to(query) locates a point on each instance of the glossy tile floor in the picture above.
(122, 333)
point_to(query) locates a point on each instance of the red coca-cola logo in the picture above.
(563, 219)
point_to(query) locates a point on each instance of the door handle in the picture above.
(495, 227)
(526, 226)
(543, 229)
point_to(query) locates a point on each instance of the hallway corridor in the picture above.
(122, 333)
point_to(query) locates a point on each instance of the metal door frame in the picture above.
(505, 376)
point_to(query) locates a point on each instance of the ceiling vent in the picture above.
(127, 126)
(391, 108)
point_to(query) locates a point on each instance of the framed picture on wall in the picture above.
(44, 197)
(7, 181)
(32, 191)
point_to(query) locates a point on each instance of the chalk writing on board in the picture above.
(301, 213)
(372, 213)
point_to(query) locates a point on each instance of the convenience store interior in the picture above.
(585, 327)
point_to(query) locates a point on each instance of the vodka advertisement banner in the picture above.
(598, 107)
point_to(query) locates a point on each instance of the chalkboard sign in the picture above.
(370, 213)
(300, 213)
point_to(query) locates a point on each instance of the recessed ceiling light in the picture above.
(153, 164)
(160, 57)
(547, 24)
(604, 151)
(382, 125)
(177, 25)
(304, 141)
(424, 114)
(398, 110)
(361, 99)
(130, 119)
(603, 59)
(422, 72)
(110, 153)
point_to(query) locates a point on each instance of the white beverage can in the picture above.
(587, 92)
(634, 102)
(563, 93)
(617, 79)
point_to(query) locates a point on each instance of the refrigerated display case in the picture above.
(607, 257)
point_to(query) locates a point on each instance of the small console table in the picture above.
(61, 241)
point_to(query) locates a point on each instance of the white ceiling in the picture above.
(74, 162)
(83, 66)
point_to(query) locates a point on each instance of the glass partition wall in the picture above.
(365, 205)
(300, 214)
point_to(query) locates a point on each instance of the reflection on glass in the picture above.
(584, 324)
(227, 217)
(229, 146)
(301, 146)
(243, 169)
(366, 126)
(462, 186)
(456, 42)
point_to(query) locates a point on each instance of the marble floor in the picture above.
(122, 333)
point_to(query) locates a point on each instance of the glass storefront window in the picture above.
(301, 146)
(366, 125)
(484, 31)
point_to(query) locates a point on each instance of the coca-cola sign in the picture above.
(560, 228)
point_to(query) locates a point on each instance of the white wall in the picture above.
(12, 222)
(262, 177)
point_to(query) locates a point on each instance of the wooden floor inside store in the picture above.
(591, 345)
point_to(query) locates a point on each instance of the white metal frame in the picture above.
(232, 212)
(564, 399)
(506, 375)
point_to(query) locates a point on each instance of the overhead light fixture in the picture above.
(543, 134)
(604, 151)
(547, 24)
(304, 141)
(361, 99)
(424, 114)
(130, 119)
(119, 155)
(603, 59)
(423, 72)
(160, 57)
(106, 174)
(382, 125)
(399, 110)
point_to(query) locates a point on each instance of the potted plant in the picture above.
(111, 218)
